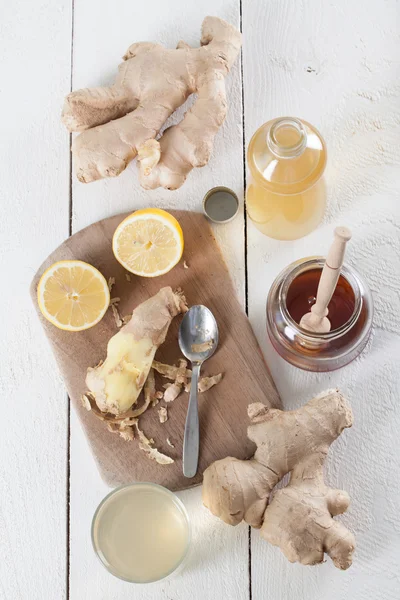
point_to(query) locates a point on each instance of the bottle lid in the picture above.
(220, 204)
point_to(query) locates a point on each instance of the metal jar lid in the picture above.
(220, 204)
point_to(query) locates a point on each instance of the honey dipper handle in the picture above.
(331, 271)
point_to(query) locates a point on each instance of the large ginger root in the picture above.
(116, 383)
(122, 121)
(299, 517)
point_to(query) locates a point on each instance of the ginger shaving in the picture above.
(168, 371)
(163, 414)
(86, 402)
(203, 347)
(172, 390)
(117, 317)
(124, 428)
(145, 444)
(205, 383)
(111, 283)
(180, 375)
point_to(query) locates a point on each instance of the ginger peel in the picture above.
(182, 376)
(122, 121)
(299, 517)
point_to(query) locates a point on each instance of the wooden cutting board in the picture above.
(223, 409)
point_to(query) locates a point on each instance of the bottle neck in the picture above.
(287, 138)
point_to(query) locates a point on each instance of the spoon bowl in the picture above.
(198, 340)
(198, 334)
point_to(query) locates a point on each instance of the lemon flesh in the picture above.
(73, 295)
(148, 242)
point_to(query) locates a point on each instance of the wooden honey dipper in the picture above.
(316, 320)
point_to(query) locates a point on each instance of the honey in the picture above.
(286, 196)
(350, 313)
(302, 294)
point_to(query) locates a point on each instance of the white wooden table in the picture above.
(334, 63)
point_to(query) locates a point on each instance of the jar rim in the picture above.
(307, 265)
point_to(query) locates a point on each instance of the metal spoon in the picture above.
(198, 340)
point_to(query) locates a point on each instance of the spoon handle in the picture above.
(191, 439)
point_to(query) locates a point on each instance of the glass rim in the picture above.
(177, 501)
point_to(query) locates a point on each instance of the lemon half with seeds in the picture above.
(73, 295)
(149, 242)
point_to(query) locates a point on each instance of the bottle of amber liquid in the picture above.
(286, 197)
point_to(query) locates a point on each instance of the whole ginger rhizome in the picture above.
(122, 121)
(299, 517)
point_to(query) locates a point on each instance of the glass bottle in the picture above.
(350, 311)
(285, 197)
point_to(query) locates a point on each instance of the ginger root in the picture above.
(122, 121)
(298, 518)
(116, 383)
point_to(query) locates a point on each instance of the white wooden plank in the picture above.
(351, 93)
(35, 42)
(218, 566)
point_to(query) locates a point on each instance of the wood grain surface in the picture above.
(222, 409)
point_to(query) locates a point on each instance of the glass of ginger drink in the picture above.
(285, 196)
(141, 532)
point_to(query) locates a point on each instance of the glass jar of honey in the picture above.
(285, 197)
(350, 312)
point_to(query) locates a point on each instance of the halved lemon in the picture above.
(73, 295)
(149, 242)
